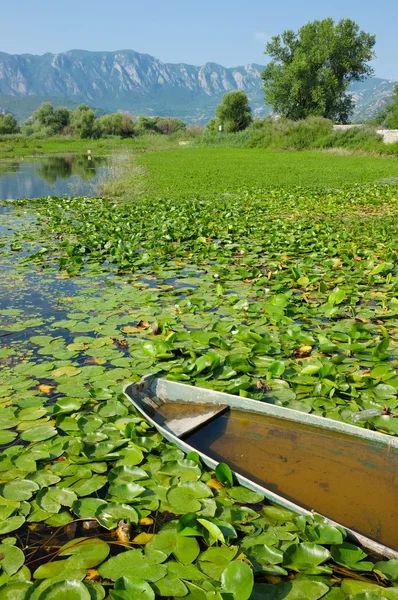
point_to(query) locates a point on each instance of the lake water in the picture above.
(52, 176)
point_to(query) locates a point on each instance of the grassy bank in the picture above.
(17, 146)
(213, 170)
(285, 296)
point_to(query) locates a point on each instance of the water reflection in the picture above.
(52, 176)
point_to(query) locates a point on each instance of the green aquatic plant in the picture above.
(285, 297)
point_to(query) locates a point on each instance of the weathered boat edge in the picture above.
(175, 391)
(131, 390)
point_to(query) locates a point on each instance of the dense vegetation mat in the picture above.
(177, 172)
(289, 298)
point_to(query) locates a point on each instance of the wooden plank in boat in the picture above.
(182, 418)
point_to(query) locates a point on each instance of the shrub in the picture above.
(355, 138)
(284, 134)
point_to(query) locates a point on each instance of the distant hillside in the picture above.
(371, 96)
(22, 107)
(141, 84)
(129, 81)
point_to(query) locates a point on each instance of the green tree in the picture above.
(8, 124)
(44, 115)
(310, 71)
(392, 116)
(62, 117)
(82, 121)
(145, 125)
(114, 124)
(170, 125)
(234, 113)
(47, 121)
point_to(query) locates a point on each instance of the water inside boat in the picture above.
(347, 479)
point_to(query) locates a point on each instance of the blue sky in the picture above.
(230, 32)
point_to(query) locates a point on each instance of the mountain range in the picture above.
(137, 83)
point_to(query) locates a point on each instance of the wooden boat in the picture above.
(301, 462)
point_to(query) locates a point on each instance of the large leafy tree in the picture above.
(82, 121)
(49, 120)
(8, 124)
(114, 124)
(310, 70)
(234, 113)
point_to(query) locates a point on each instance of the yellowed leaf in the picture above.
(92, 575)
(305, 349)
(214, 484)
(146, 521)
(46, 389)
(99, 361)
(142, 538)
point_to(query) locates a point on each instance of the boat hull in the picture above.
(298, 461)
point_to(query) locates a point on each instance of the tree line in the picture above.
(308, 75)
(82, 122)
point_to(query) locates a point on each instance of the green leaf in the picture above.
(132, 455)
(266, 554)
(187, 495)
(19, 490)
(213, 561)
(351, 556)
(87, 507)
(389, 568)
(11, 558)
(66, 590)
(386, 424)
(85, 487)
(215, 532)
(185, 470)
(367, 596)
(14, 590)
(168, 541)
(337, 296)
(238, 579)
(353, 587)
(304, 557)
(126, 492)
(170, 586)
(6, 437)
(245, 496)
(39, 433)
(109, 514)
(224, 474)
(276, 369)
(88, 552)
(67, 371)
(382, 348)
(11, 524)
(96, 591)
(126, 474)
(278, 513)
(300, 589)
(131, 564)
(67, 405)
(132, 589)
(58, 568)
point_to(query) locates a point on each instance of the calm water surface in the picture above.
(349, 480)
(52, 176)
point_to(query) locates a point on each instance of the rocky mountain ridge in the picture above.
(126, 80)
